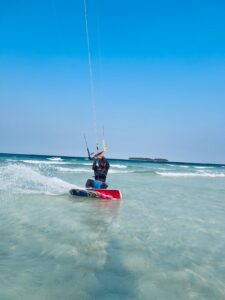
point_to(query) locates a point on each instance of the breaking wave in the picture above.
(119, 166)
(176, 174)
(83, 170)
(45, 162)
(75, 170)
(55, 158)
(120, 171)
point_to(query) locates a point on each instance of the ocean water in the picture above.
(164, 240)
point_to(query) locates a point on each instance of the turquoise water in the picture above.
(164, 240)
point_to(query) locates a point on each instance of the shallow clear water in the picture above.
(164, 240)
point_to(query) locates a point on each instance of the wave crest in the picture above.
(174, 174)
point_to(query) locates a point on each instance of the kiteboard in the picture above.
(97, 193)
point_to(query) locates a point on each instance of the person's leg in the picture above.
(89, 183)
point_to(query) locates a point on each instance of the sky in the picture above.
(158, 73)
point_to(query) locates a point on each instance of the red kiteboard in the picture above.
(97, 193)
(109, 194)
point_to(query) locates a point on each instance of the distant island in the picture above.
(149, 159)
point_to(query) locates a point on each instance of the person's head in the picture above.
(103, 158)
(99, 155)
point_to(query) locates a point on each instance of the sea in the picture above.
(164, 240)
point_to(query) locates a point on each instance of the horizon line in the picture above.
(126, 159)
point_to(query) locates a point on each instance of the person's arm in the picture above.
(94, 166)
(107, 166)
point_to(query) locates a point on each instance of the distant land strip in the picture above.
(149, 159)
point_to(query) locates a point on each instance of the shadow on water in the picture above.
(105, 276)
(115, 281)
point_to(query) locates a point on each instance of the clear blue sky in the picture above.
(159, 77)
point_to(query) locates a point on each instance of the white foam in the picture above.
(119, 166)
(174, 174)
(75, 170)
(198, 167)
(119, 171)
(55, 158)
(82, 170)
(27, 161)
(23, 179)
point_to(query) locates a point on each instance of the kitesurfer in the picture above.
(100, 167)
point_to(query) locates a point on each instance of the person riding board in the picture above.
(100, 167)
